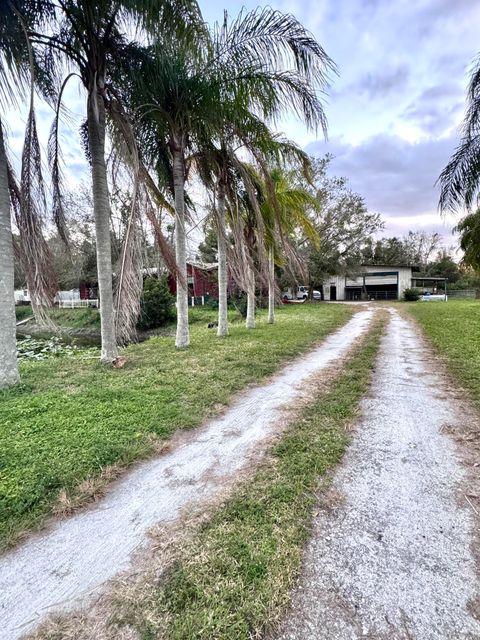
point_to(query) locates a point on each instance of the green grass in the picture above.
(233, 579)
(76, 318)
(22, 312)
(454, 330)
(71, 418)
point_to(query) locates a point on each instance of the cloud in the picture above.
(396, 178)
(381, 83)
(436, 110)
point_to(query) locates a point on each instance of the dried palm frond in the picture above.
(146, 189)
(29, 206)
(129, 282)
(54, 161)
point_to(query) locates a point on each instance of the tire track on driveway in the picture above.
(393, 560)
(65, 566)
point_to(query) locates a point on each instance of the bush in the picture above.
(157, 307)
(411, 295)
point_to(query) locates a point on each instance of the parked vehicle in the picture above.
(302, 294)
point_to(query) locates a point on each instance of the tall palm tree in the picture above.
(8, 350)
(267, 87)
(89, 38)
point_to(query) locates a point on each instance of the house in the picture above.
(379, 282)
(202, 280)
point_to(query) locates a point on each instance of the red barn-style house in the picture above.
(202, 280)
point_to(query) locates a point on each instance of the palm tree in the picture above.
(8, 350)
(460, 179)
(15, 71)
(285, 211)
(89, 38)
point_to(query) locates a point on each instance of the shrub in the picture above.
(157, 306)
(411, 295)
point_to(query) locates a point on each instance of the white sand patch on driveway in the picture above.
(66, 565)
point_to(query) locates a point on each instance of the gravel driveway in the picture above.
(68, 564)
(391, 556)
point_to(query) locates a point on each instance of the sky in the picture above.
(396, 104)
(393, 109)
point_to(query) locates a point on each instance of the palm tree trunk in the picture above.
(8, 350)
(182, 338)
(271, 286)
(250, 322)
(101, 208)
(222, 262)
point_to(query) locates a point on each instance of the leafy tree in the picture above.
(208, 248)
(444, 267)
(416, 248)
(342, 222)
(469, 229)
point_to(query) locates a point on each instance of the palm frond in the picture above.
(54, 160)
(129, 280)
(460, 179)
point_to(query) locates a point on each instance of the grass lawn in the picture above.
(454, 330)
(233, 579)
(72, 417)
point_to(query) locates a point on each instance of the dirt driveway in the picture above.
(68, 565)
(391, 555)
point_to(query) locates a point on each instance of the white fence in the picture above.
(77, 303)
